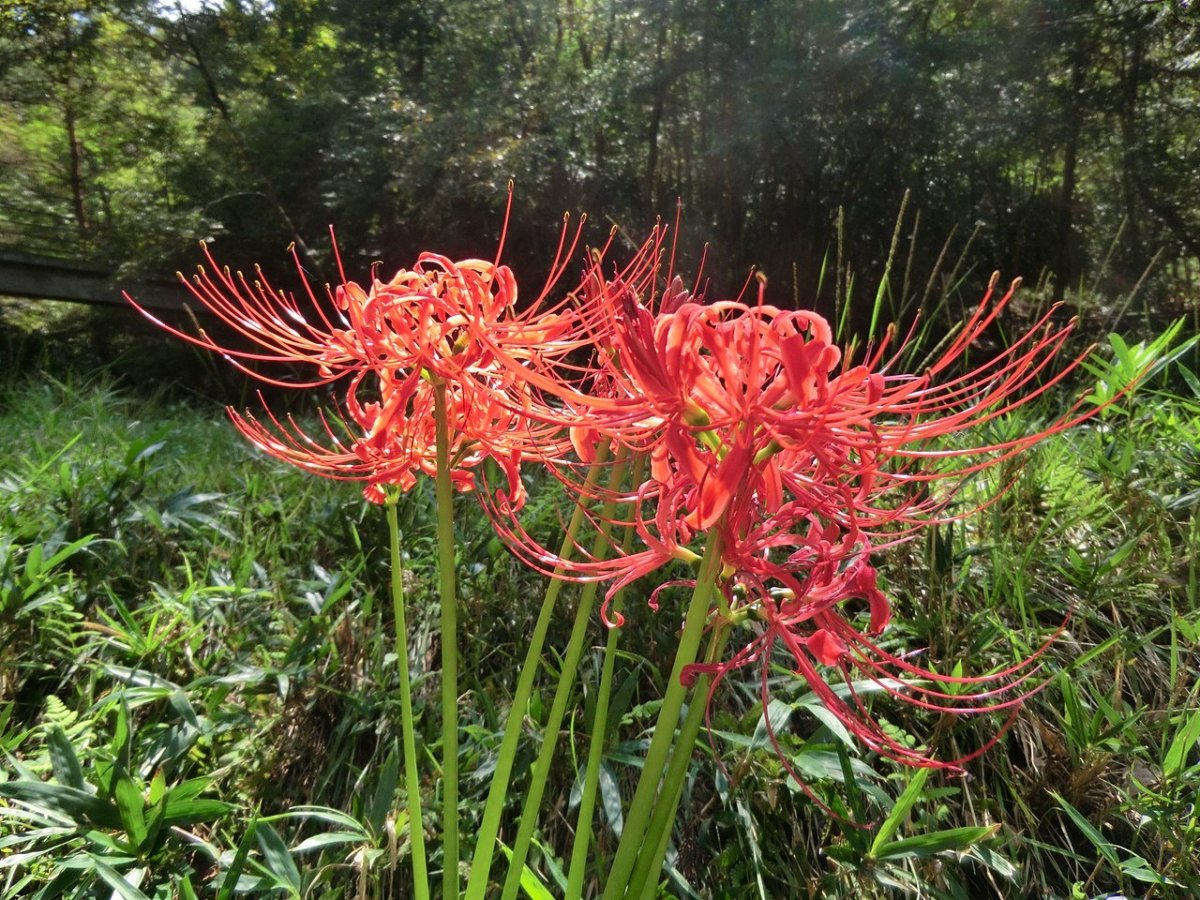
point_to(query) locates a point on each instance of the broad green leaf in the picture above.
(610, 799)
(385, 791)
(325, 814)
(900, 811)
(1181, 745)
(553, 865)
(63, 759)
(79, 806)
(277, 858)
(530, 883)
(1190, 378)
(773, 720)
(229, 878)
(186, 891)
(115, 880)
(33, 563)
(158, 788)
(1139, 869)
(69, 550)
(924, 845)
(132, 807)
(188, 790)
(327, 839)
(820, 764)
(827, 718)
(188, 812)
(998, 863)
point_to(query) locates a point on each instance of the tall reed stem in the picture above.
(412, 782)
(591, 780)
(449, 607)
(562, 694)
(640, 809)
(650, 861)
(485, 845)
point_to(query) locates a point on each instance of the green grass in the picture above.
(196, 693)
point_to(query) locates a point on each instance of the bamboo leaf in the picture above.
(278, 859)
(900, 811)
(132, 807)
(115, 880)
(924, 845)
(1181, 745)
(79, 806)
(63, 759)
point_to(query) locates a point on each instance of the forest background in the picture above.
(1061, 138)
(184, 626)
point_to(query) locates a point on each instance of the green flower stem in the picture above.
(449, 603)
(644, 798)
(591, 780)
(644, 883)
(562, 694)
(489, 829)
(412, 784)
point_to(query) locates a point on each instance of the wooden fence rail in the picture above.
(44, 277)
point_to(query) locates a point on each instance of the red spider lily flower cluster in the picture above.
(804, 464)
(759, 433)
(387, 350)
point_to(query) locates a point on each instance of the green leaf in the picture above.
(553, 865)
(772, 721)
(158, 788)
(63, 552)
(1181, 745)
(115, 880)
(33, 563)
(610, 799)
(925, 845)
(278, 859)
(995, 861)
(186, 891)
(1190, 378)
(324, 814)
(385, 791)
(328, 839)
(188, 812)
(229, 878)
(900, 811)
(816, 764)
(188, 790)
(121, 737)
(132, 807)
(81, 807)
(530, 883)
(1107, 850)
(63, 759)
(1139, 869)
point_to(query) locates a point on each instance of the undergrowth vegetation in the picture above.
(197, 686)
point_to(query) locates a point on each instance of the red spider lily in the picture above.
(746, 410)
(757, 426)
(392, 346)
(801, 605)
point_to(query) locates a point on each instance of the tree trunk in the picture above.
(75, 173)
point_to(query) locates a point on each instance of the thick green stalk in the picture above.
(562, 695)
(644, 883)
(591, 779)
(644, 798)
(449, 604)
(485, 844)
(412, 783)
